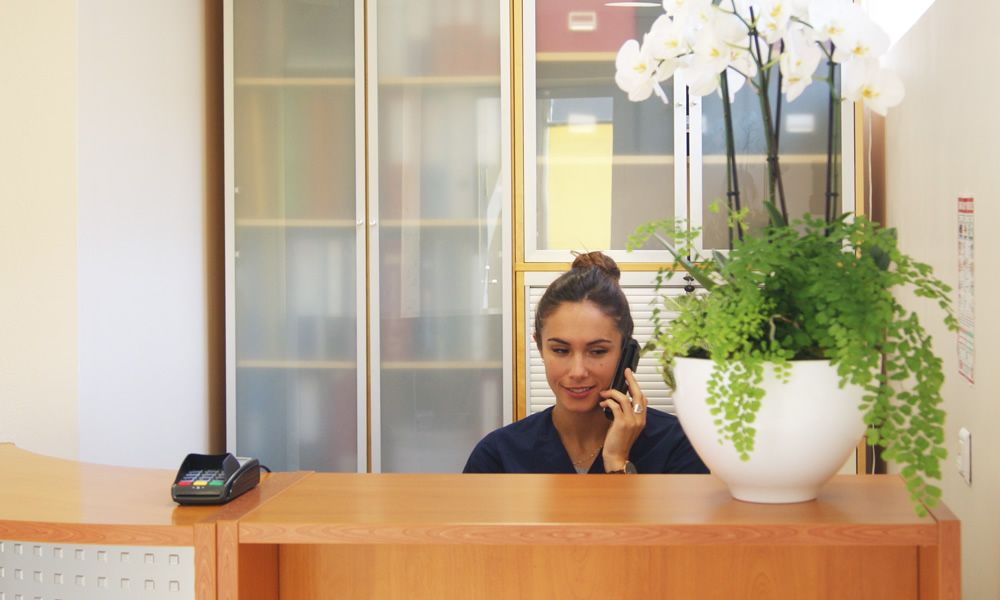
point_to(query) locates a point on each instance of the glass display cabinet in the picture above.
(368, 220)
(597, 165)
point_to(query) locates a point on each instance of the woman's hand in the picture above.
(630, 419)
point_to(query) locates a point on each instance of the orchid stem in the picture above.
(775, 184)
(732, 179)
(832, 147)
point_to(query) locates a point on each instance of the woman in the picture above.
(581, 324)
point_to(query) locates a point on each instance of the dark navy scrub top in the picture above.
(532, 445)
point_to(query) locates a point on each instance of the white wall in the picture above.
(941, 143)
(103, 350)
(141, 236)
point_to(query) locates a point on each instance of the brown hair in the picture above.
(593, 278)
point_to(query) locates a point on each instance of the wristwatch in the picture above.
(627, 468)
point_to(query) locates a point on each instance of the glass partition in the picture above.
(441, 203)
(371, 216)
(295, 234)
(802, 138)
(596, 164)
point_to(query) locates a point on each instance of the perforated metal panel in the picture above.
(638, 289)
(36, 571)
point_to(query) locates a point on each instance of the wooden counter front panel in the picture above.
(601, 572)
(554, 536)
(253, 571)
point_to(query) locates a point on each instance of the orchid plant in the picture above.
(812, 288)
(722, 45)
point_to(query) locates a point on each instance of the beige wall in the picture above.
(38, 225)
(942, 143)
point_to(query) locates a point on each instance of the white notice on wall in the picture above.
(966, 301)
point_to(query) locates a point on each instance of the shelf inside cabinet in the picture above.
(294, 223)
(443, 81)
(389, 366)
(592, 70)
(619, 160)
(435, 223)
(661, 159)
(294, 81)
(416, 81)
(564, 57)
(440, 365)
(786, 159)
(296, 364)
(347, 223)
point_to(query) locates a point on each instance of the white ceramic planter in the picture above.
(807, 428)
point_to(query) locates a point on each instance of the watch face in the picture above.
(630, 468)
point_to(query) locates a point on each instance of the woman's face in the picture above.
(580, 346)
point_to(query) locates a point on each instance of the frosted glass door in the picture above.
(440, 235)
(596, 165)
(295, 234)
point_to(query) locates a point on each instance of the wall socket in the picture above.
(964, 461)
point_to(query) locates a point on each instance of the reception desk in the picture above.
(324, 535)
(77, 530)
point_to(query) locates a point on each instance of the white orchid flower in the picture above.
(742, 7)
(710, 48)
(700, 80)
(635, 71)
(831, 19)
(735, 81)
(722, 41)
(682, 9)
(666, 42)
(865, 39)
(772, 19)
(846, 25)
(742, 62)
(672, 7)
(865, 81)
(800, 9)
(798, 62)
(703, 81)
(733, 34)
(697, 13)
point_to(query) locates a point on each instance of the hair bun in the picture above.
(603, 262)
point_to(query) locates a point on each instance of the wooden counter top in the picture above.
(50, 499)
(539, 509)
(45, 489)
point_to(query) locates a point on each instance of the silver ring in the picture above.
(637, 408)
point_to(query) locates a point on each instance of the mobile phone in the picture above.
(629, 359)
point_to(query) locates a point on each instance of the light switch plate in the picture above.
(965, 455)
